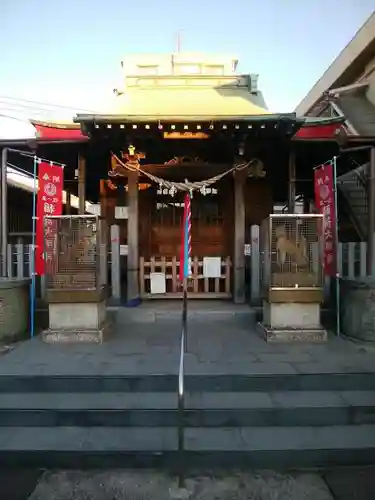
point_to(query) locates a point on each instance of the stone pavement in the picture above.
(225, 346)
(339, 484)
(135, 485)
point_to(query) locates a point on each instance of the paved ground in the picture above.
(216, 346)
(135, 485)
(227, 345)
(340, 484)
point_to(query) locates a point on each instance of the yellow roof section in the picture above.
(188, 103)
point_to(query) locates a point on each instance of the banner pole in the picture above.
(32, 255)
(337, 278)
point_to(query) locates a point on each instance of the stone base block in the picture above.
(14, 308)
(81, 322)
(309, 335)
(291, 315)
(358, 308)
(79, 316)
(93, 336)
(292, 322)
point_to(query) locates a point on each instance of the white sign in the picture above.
(121, 212)
(157, 281)
(212, 267)
(123, 249)
(247, 249)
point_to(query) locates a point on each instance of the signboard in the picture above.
(185, 135)
(212, 267)
(49, 202)
(325, 204)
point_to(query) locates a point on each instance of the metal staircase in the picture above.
(353, 187)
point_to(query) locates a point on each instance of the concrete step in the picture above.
(161, 312)
(260, 377)
(258, 447)
(275, 409)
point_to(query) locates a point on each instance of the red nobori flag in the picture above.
(325, 204)
(49, 202)
(185, 253)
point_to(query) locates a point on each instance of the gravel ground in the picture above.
(146, 485)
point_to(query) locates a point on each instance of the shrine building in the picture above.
(188, 122)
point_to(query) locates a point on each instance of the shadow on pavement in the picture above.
(352, 483)
(18, 484)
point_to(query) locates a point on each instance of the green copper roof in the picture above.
(189, 102)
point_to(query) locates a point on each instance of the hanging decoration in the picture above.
(132, 162)
(173, 186)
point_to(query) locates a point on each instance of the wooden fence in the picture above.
(199, 286)
(352, 264)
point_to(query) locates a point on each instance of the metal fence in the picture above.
(20, 266)
(75, 252)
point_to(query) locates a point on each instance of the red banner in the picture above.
(49, 202)
(325, 204)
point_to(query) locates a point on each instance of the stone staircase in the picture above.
(272, 420)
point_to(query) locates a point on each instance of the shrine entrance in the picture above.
(160, 221)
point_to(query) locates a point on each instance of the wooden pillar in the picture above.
(292, 183)
(81, 184)
(239, 237)
(133, 257)
(370, 264)
(68, 205)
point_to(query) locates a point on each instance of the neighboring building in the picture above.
(347, 88)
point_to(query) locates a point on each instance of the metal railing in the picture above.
(181, 412)
(181, 392)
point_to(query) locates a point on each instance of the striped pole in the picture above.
(185, 255)
(185, 261)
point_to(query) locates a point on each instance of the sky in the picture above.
(68, 52)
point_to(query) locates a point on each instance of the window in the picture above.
(147, 70)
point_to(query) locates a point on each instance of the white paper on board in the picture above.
(158, 284)
(212, 267)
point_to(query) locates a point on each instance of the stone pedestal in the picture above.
(14, 308)
(77, 320)
(292, 320)
(358, 308)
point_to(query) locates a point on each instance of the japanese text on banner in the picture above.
(49, 202)
(325, 204)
